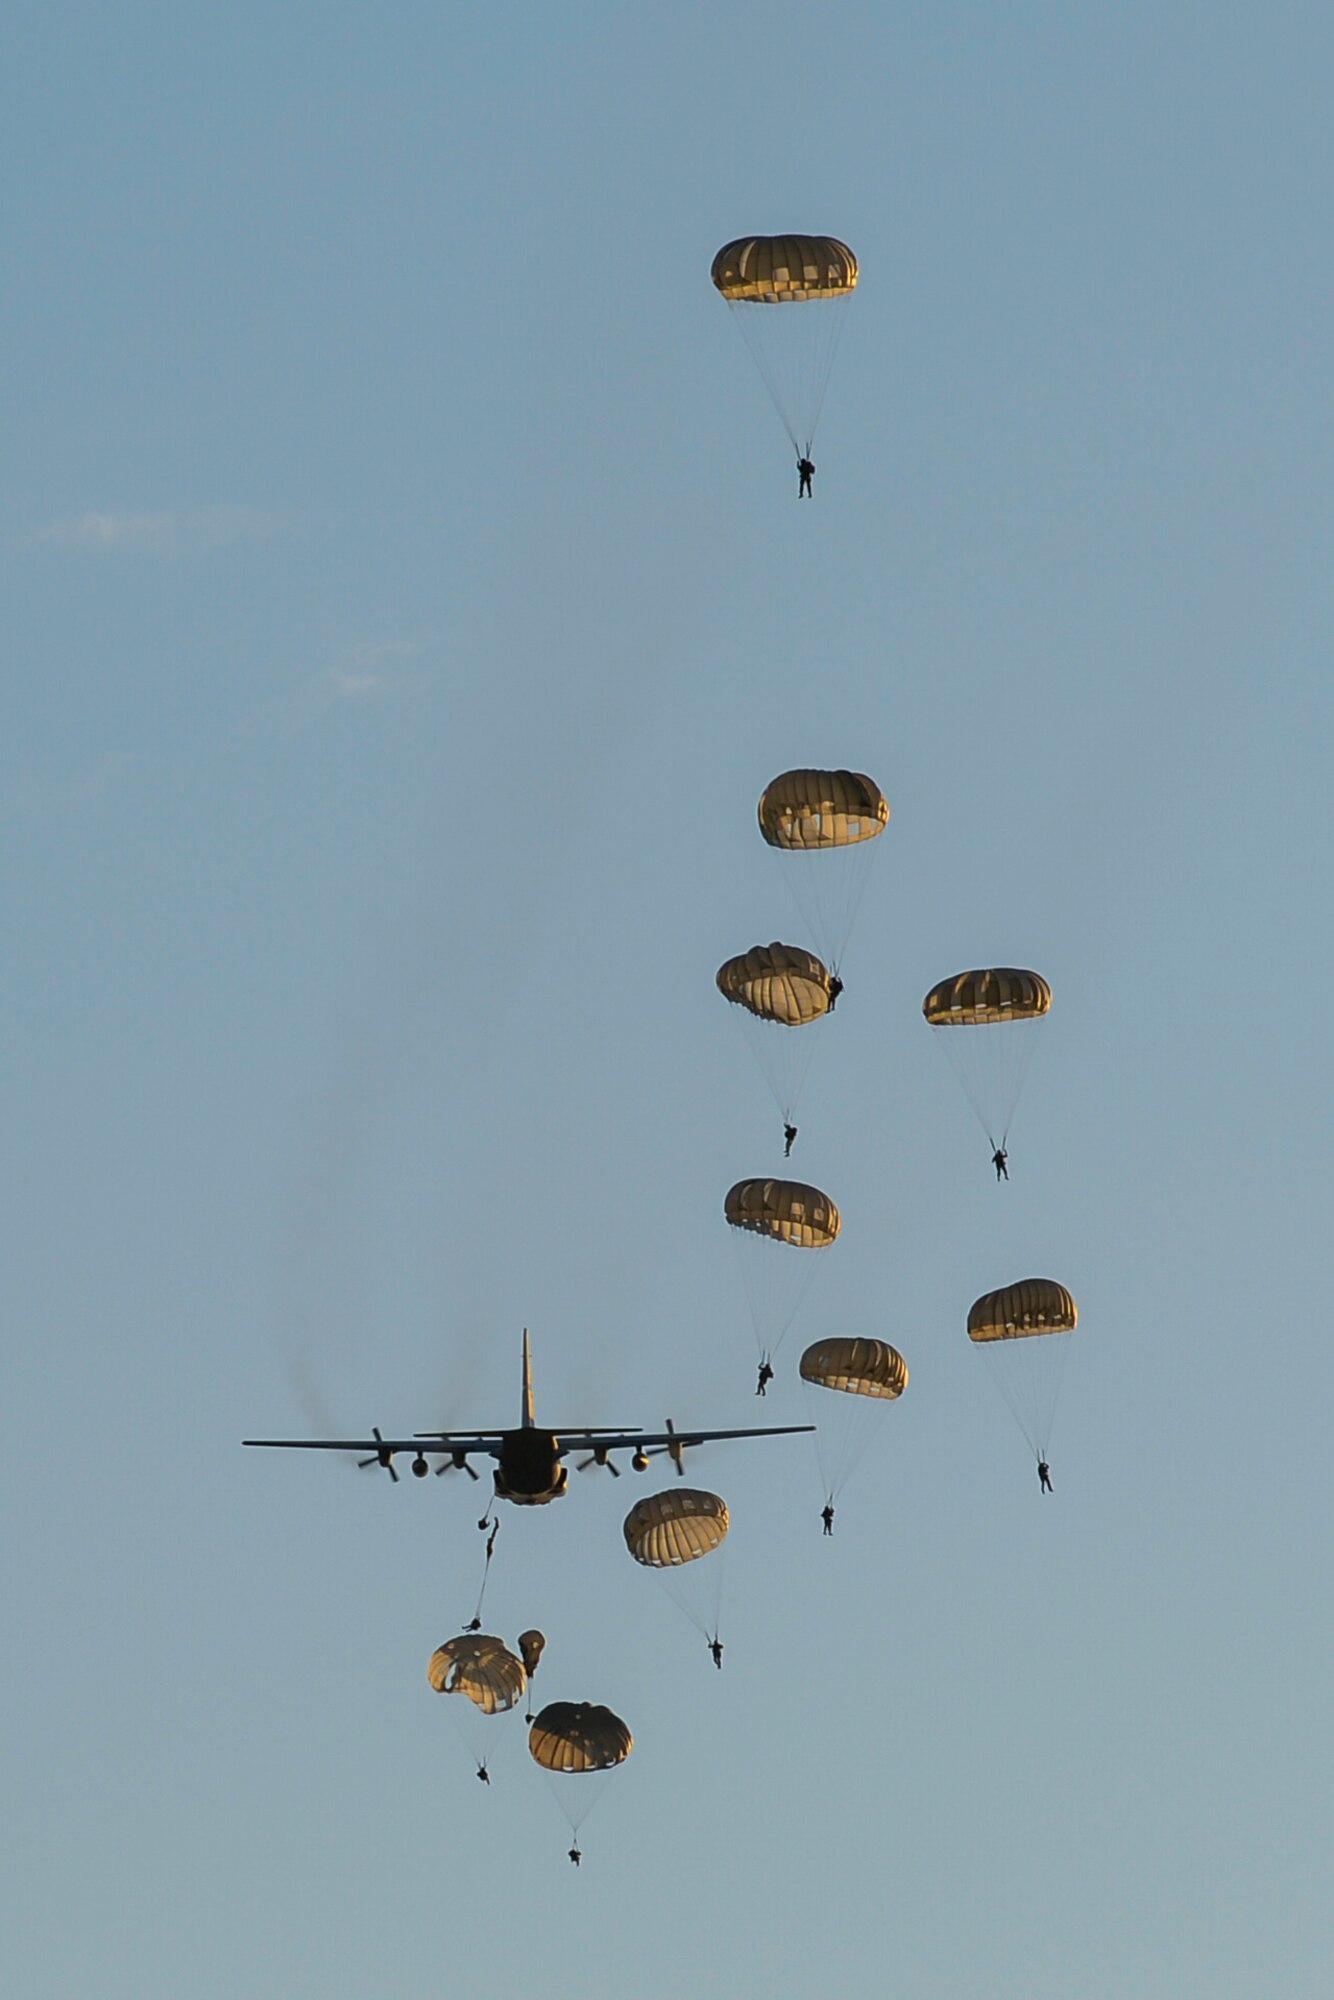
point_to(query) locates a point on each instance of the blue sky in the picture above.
(406, 603)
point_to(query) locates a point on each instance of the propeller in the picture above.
(456, 1462)
(383, 1455)
(601, 1457)
(676, 1450)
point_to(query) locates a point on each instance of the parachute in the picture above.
(775, 989)
(1022, 1332)
(578, 1736)
(769, 1219)
(532, 1645)
(786, 1211)
(777, 982)
(480, 1667)
(679, 1526)
(824, 824)
(968, 1011)
(865, 1376)
(789, 296)
(582, 1740)
(670, 1533)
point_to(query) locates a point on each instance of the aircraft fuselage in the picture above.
(529, 1471)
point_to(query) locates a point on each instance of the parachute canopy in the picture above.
(578, 1736)
(785, 1211)
(679, 1526)
(531, 1646)
(784, 270)
(480, 1666)
(777, 982)
(980, 999)
(1033, 1306)
(805, 810)
(856, 1366)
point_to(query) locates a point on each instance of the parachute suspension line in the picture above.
(476, 1625)
(743, 314)
(784, 1057)
(828, 889)
(793, 346)
(991, 1061)
(834, 321)
(1028, 1374)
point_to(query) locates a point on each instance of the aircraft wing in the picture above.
(480, 1441)
(651, 1440)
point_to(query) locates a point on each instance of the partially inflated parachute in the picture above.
(1022, 1331)
(776, 982)
(865, 1376)
(532, 1644)
(789, 295)
(480, 1666)
(986, 1018)
(481, 1669)
(823, 825)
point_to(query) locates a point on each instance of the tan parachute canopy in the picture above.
(1034, 1305)
(777, 982)
(578, 1736)
(482, 1667)
(788, 1211)
(857, 1367)
(817, 809)
(1000, 993)
(667, 1529)
(783, 270)
(531, 1644)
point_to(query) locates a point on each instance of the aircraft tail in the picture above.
(527, 1384)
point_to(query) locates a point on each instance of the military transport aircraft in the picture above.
(528, 1460)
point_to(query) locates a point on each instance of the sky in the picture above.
(406, 601)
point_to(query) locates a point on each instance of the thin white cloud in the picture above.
(364, 675)
(114, 531)
(350, 687)
(167, 531)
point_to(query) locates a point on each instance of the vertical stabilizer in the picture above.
(527, 1384)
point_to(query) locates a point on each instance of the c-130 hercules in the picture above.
(528, 1459)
